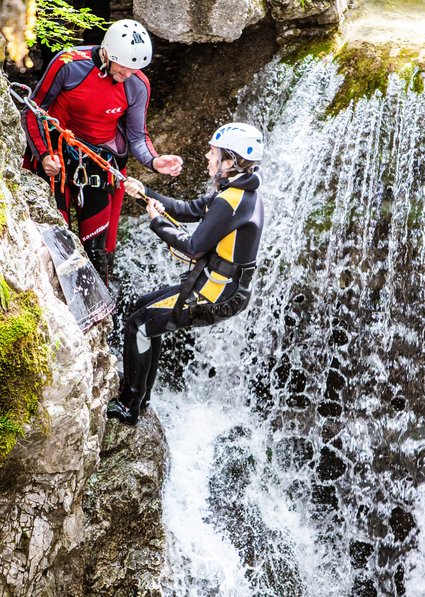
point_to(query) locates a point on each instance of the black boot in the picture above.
(96, 252)
(117, 410)
(110, 260)
(156, 351)
(126, 407)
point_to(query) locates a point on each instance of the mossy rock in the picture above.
(314, 47)
(24, 363)
(3, 214)
(366, 68)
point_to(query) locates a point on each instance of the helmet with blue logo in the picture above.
(244, 139)
(128, 43)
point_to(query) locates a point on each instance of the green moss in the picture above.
(316, 48)
(366, 69)
(320, 220)
(3, 214)
(4, 294)
(24, 365)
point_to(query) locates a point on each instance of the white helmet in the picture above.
(128, 43)
(243, 139)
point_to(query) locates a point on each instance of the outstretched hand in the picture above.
(168, 164)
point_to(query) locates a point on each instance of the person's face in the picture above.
(120, 73)
(213, 157)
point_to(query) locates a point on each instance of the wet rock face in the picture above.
(309, 17)
(122, 503)
(225, 20)
(43, 477)
(48, 517)
(202, 21)
(238, 517)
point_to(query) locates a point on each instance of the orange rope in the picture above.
(69, 137)
(62, 162)
(51, 153)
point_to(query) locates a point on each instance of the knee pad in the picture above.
(143, 341)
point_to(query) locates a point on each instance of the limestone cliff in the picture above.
(59, 502)
(225, 20)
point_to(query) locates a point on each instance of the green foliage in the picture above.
(24, 366)
(59, 25)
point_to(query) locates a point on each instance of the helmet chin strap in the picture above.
(104, 69)
(235, 165)
(219, 172)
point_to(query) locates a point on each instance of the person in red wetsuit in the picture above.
(101, 95)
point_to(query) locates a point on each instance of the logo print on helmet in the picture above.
(137, 38)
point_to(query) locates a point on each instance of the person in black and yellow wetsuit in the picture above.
(224, 246)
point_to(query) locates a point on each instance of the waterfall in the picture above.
(297, 430)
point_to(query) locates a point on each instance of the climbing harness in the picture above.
(81, 178)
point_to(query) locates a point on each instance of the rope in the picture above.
(51, 153)
(69, 137)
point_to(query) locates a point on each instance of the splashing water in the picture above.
(298, 436)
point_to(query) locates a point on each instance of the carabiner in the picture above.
(80, 177)
(21, 98)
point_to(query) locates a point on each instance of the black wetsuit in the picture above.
(225, 246)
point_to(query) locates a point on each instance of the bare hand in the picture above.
(151, 209)
(134, 187)
(157, 205)
(51, 166)
(168, 164)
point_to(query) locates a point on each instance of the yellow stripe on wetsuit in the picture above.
(226, 247)
(167, 303)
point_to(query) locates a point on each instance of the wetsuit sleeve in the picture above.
(138, 94)
(44, 95)
(184, 211)
(217, 224)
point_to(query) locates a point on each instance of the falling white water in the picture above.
(416, 560)
(191, 430)
(292, 467)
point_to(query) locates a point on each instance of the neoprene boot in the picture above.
(110, 259)
(96, 252)
(117, 410)
(156, 351)
(137, 364)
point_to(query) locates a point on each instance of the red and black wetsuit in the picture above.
(92, 107)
